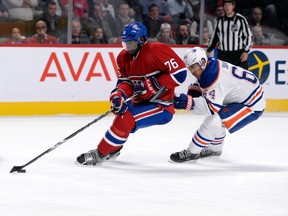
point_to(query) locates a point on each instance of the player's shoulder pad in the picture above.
(123, 55)
(210, 74)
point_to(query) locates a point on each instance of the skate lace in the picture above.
(93, 157)
(206, 152)
(184, 154)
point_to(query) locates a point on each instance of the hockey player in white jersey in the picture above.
(231, 96)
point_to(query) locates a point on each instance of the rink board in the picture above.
(42, 80)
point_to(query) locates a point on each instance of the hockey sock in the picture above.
(118, 133)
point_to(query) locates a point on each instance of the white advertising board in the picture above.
(33, 74)
(270, 65)
(57, 74)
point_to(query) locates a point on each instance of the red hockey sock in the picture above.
(105, 148)
(121, 127)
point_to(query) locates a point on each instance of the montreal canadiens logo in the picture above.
(259, 65)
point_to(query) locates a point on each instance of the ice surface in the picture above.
(250, 178)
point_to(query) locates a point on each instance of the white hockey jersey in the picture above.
(223, 84)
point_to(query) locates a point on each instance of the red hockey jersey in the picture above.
(154, 59)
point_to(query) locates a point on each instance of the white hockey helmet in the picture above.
(195, 55)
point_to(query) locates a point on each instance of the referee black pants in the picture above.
(232, 57)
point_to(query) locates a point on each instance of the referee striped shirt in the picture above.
(231, 34)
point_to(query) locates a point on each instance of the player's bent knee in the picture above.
(123, 124)
(212, 125)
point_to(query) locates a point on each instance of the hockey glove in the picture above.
(147, 88)
(184, 102)
(117, 101)
(195, 90)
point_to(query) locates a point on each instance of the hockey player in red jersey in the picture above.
(143, 68)
(230, 96)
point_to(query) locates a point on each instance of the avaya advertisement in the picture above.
(90, 73)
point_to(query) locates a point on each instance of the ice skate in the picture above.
(113, 155)
(207, 152)
(92, 157)
(184, 156)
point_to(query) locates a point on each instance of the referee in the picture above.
(233, 36)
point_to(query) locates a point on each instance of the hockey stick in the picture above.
(20, 168)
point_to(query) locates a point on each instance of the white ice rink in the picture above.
(249, 179)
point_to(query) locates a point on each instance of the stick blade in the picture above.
(16, 169)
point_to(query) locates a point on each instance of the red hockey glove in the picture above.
(183, 101)
(195, 90)
(147, 88)
(117, 101)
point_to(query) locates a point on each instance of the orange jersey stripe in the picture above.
(259, 92)
(214, 108)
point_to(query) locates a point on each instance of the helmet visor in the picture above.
(130, 46)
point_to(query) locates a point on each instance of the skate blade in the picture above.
(215, 157)
(188, 161)
(79, 164)
(85, 165)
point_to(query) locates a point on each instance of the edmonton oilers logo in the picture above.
(259, 65)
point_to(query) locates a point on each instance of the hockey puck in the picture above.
(21, 171)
